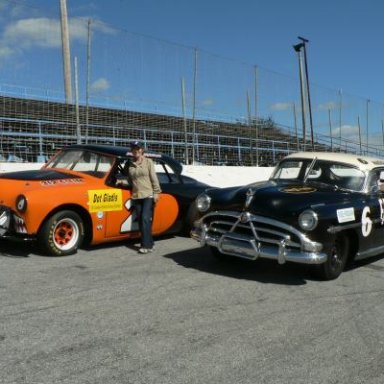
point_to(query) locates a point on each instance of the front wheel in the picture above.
(337, 259)
(61, 234)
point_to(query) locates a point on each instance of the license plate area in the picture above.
(239, 246)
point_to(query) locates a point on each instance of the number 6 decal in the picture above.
(366, 222)
(131, 223)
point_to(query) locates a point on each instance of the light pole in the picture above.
(298, 48)
(66, 51)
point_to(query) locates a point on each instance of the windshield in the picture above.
(335, 174)
(82, 161)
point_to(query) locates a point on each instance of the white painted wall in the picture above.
(216, 176)
(223, 176)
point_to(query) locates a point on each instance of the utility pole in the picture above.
(66, 51)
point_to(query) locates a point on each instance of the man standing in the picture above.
(145, 192)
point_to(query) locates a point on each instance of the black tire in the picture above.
(337, 259)
(61, 234)
(192, 215)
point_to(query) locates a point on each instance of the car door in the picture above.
(123, 222)
(371, 233)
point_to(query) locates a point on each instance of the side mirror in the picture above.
(375, 189)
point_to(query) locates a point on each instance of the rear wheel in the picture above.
(337, 259)
(61, 234)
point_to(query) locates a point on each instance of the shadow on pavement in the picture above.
(16, 249)
(263, 271)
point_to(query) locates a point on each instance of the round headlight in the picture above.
(308, 220)
(21, 203)
(203, 202)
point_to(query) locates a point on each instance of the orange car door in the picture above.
(121, 222)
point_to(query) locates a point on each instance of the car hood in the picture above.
(35, 181)
(276, 199)
(38, 175)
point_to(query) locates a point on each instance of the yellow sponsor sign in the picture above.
(105, 200)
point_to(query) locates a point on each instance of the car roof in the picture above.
(125, 152)
(362, 162)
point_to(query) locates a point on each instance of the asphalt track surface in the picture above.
(109, 315)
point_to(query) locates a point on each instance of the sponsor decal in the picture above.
(105, 200)
(49, 183)
(345, 215)
(298, 189)
(131, 223)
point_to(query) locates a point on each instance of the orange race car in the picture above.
(82, 197)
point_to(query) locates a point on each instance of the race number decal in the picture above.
(381, 203)
(131, 224)
(366, 222)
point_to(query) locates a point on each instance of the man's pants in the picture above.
(144, 210)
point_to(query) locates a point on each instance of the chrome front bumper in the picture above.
(252, 248)
(5, 220)
(11, 225)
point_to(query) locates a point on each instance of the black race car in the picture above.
(317, 208)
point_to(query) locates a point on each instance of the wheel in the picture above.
(337, 259)
(61, 234)
(192, 215)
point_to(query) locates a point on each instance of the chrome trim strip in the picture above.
(369, 252)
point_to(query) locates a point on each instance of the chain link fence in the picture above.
(192, 104)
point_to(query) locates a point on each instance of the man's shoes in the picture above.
(145, 250)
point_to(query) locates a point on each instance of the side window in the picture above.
(376, 180)
(380, 180)
(120, 178)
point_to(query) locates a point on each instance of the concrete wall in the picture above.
(217, 176)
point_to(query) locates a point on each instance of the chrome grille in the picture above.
(262, 229)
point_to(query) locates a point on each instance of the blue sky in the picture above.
(346, 45)
(345, 50)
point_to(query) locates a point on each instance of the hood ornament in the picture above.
(249, 197)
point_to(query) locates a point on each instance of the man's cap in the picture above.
(136, 144)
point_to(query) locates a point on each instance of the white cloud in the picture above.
(100, 85)
(331, 105)
(5, 51)
(347, 131)
(43, 32)
(281, 106)
(40, 32)
(208, 102)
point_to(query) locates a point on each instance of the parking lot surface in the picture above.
(109, 315)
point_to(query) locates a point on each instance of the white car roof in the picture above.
(362, 162)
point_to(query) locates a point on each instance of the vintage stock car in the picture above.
(319, 208)
(82, 196)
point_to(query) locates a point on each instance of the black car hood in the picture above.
(40, 174)
(276, 199)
